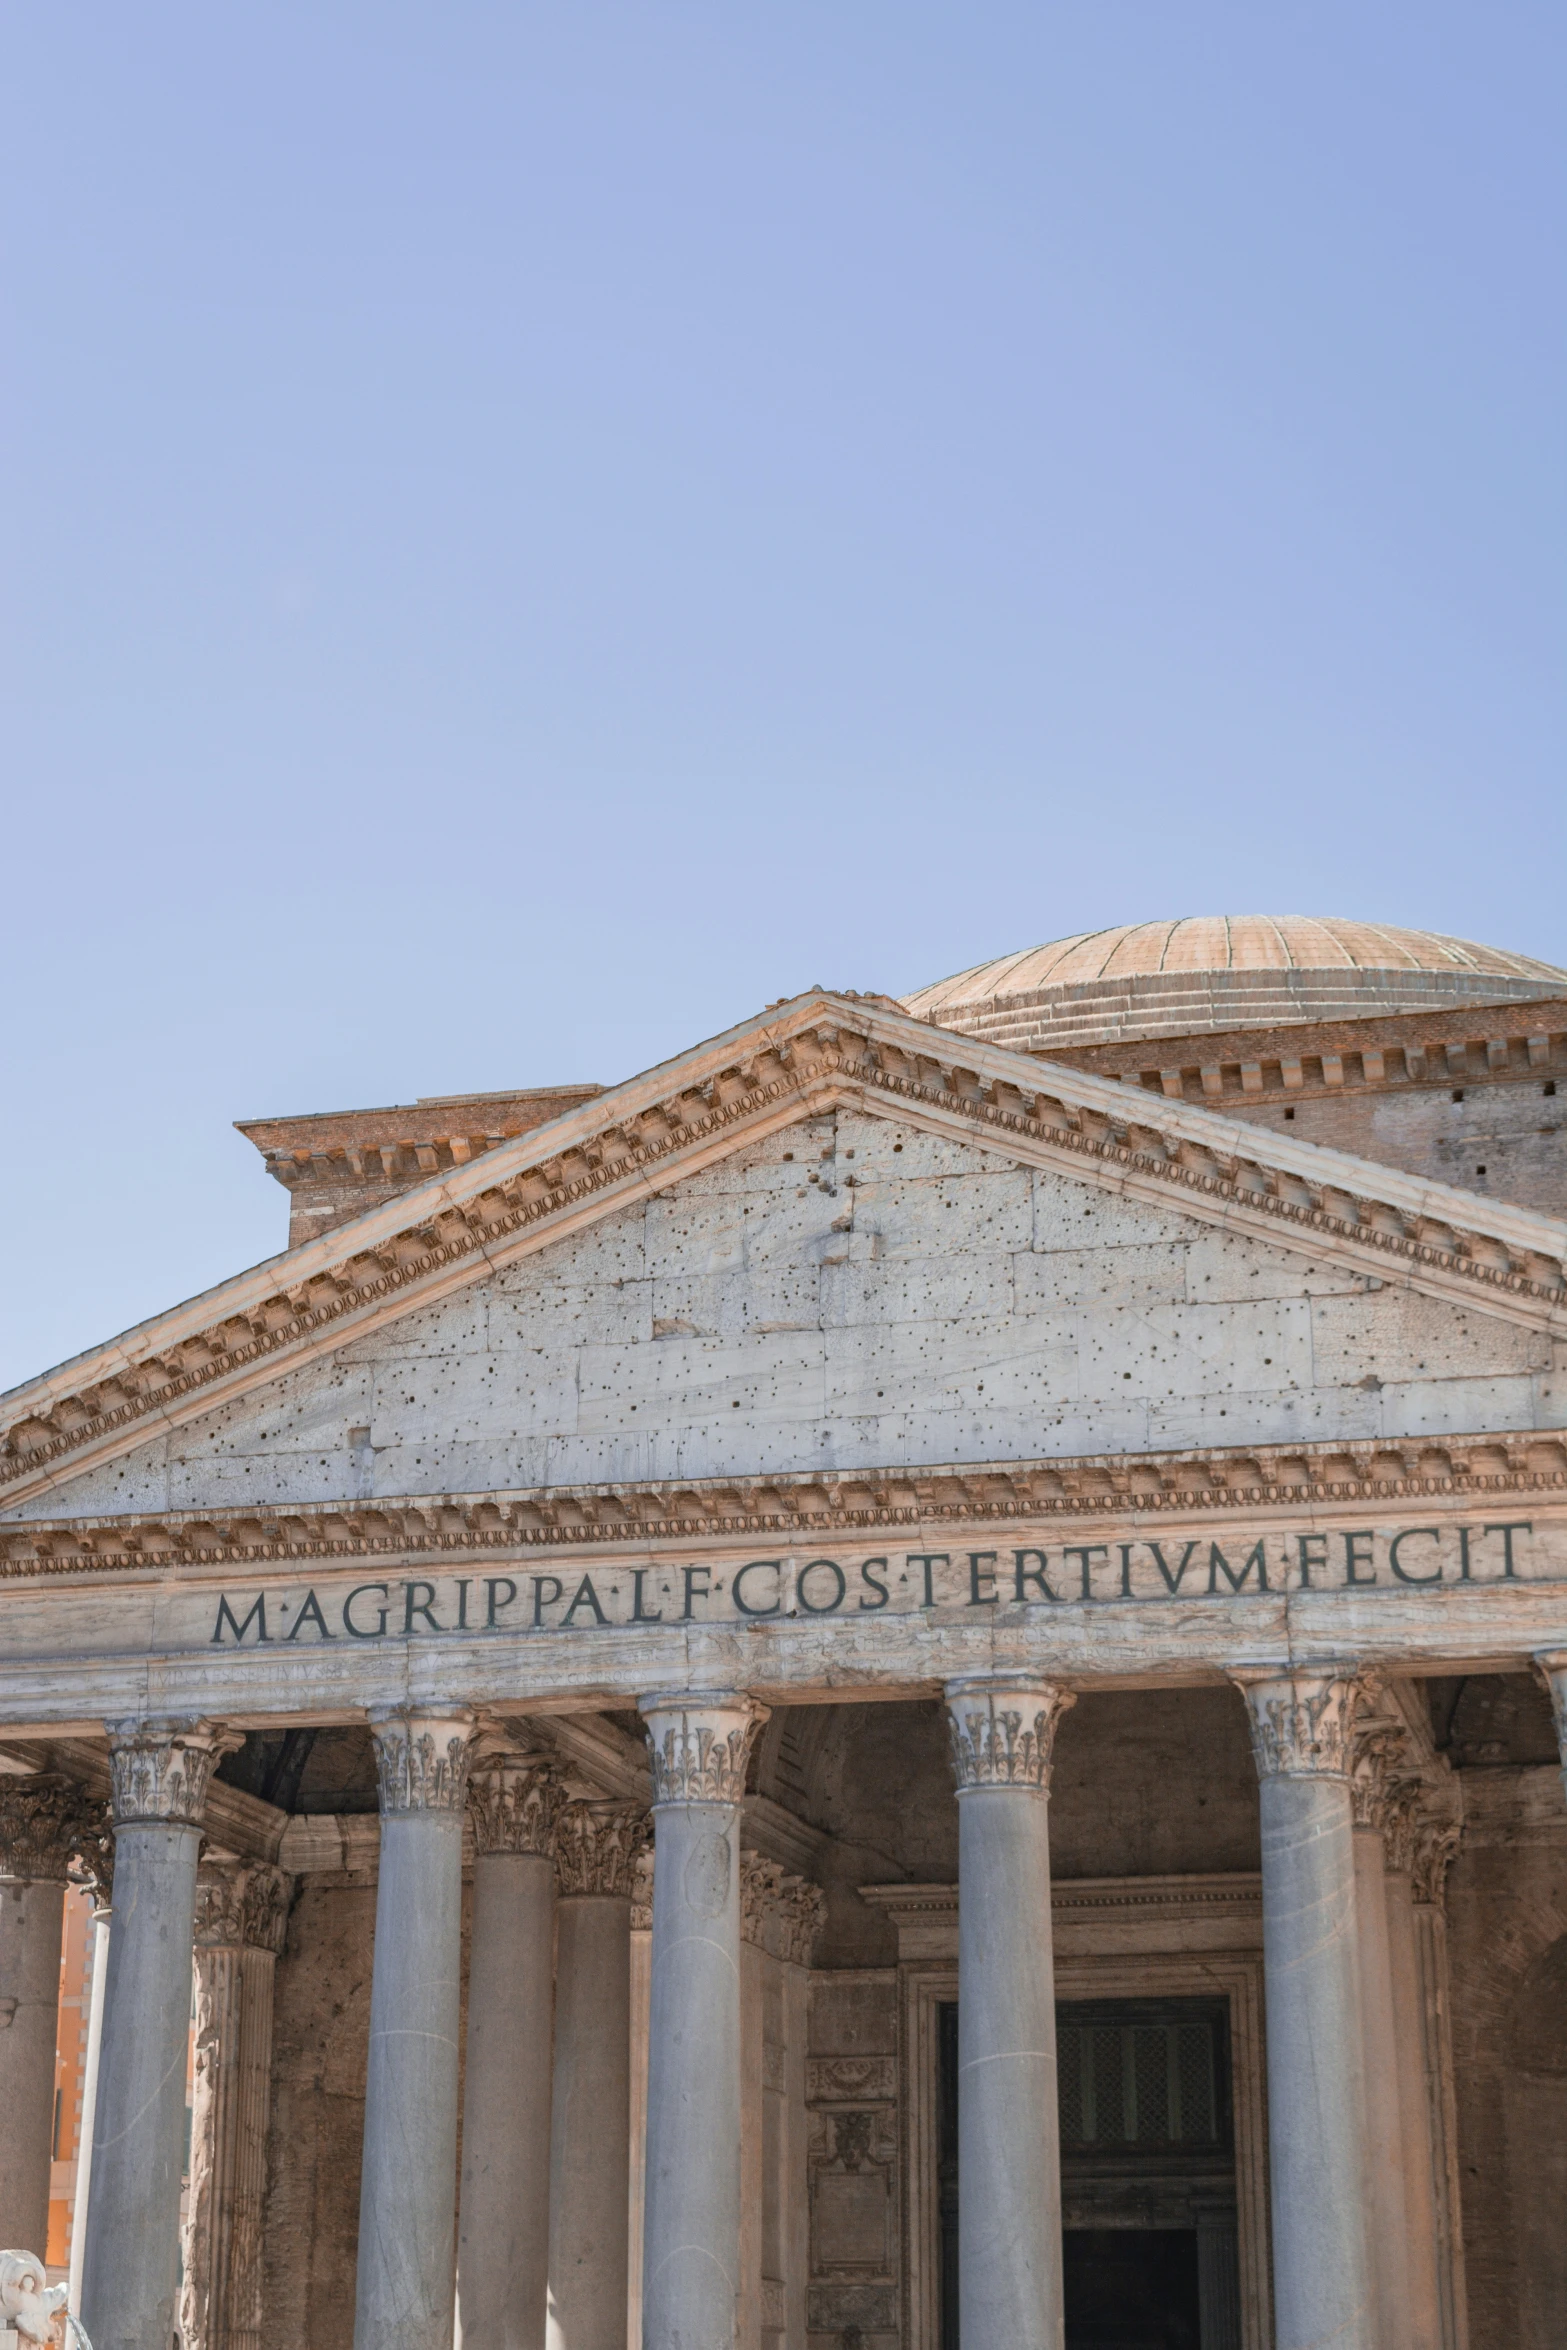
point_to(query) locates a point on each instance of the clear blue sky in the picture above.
(533, 530)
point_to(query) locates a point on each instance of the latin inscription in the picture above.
(947, 1583)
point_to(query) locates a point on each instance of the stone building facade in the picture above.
(890, 1687)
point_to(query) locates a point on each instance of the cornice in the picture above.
(804, 1504)
(820, 1050)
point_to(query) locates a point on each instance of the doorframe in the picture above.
(1115, 1938)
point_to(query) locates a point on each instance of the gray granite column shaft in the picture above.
(241, 1917)
(1323, 2292)
(691, 2230)
(504, 2216)
(1009, 2153)
(405, 2296)
(41, 1818)
(161, 1772)
(590, 2157)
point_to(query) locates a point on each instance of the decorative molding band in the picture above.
(421, 1761)
(597, 1847)
(160, 1771)
(241, 1905)
(50, 1829)
(1302, 1724)
(779, 1912)
(700, 1746)
(514, 1803)
(1075, 1486)
(849, 2079)
(804, 1063)
(1003, 1732)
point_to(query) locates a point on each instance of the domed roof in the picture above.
(1217, 971)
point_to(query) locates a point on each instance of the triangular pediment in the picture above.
(1132, 1169)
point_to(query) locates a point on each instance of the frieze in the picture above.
(947, 1584)
(1447, 1240)
(1082, 1486)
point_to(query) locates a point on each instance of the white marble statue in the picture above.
(27, 2304)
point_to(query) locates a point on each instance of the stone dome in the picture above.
(1222, 971)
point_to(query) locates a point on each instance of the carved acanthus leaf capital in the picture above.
(1003, 1731)
(1374, 1748)
(241, 1905)
(160, 1770)
(1402, 1806)
(421, 1760)
(514, 1802)
(780, 1913)
(700, 1746)
(49, 1827)
(597, 1847)
(1436, 1840)
(1302, 1723)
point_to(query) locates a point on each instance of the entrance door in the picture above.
(1148, 2177)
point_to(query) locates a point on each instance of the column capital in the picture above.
(1373, 1749)
(700, 1742)
(1302, 1722)
(1436, 1841)
(421, 1759)
(160, 1770)
(597, 1846)
(49, 1827)
(1002, 1730)
(241, 1905)
(514, 1802)
(779, 1912)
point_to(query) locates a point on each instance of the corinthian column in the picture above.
(590, 2148)
(691, 2232)
(405, 2295)
(241, 1917)
(1002, 1729)
(43, 1821)
(1301, 1725)
(504, 2227)
(160, 1775)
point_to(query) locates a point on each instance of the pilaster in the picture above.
(241, 1920)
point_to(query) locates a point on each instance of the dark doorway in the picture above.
(1132, 2289)
(1145, 2118)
